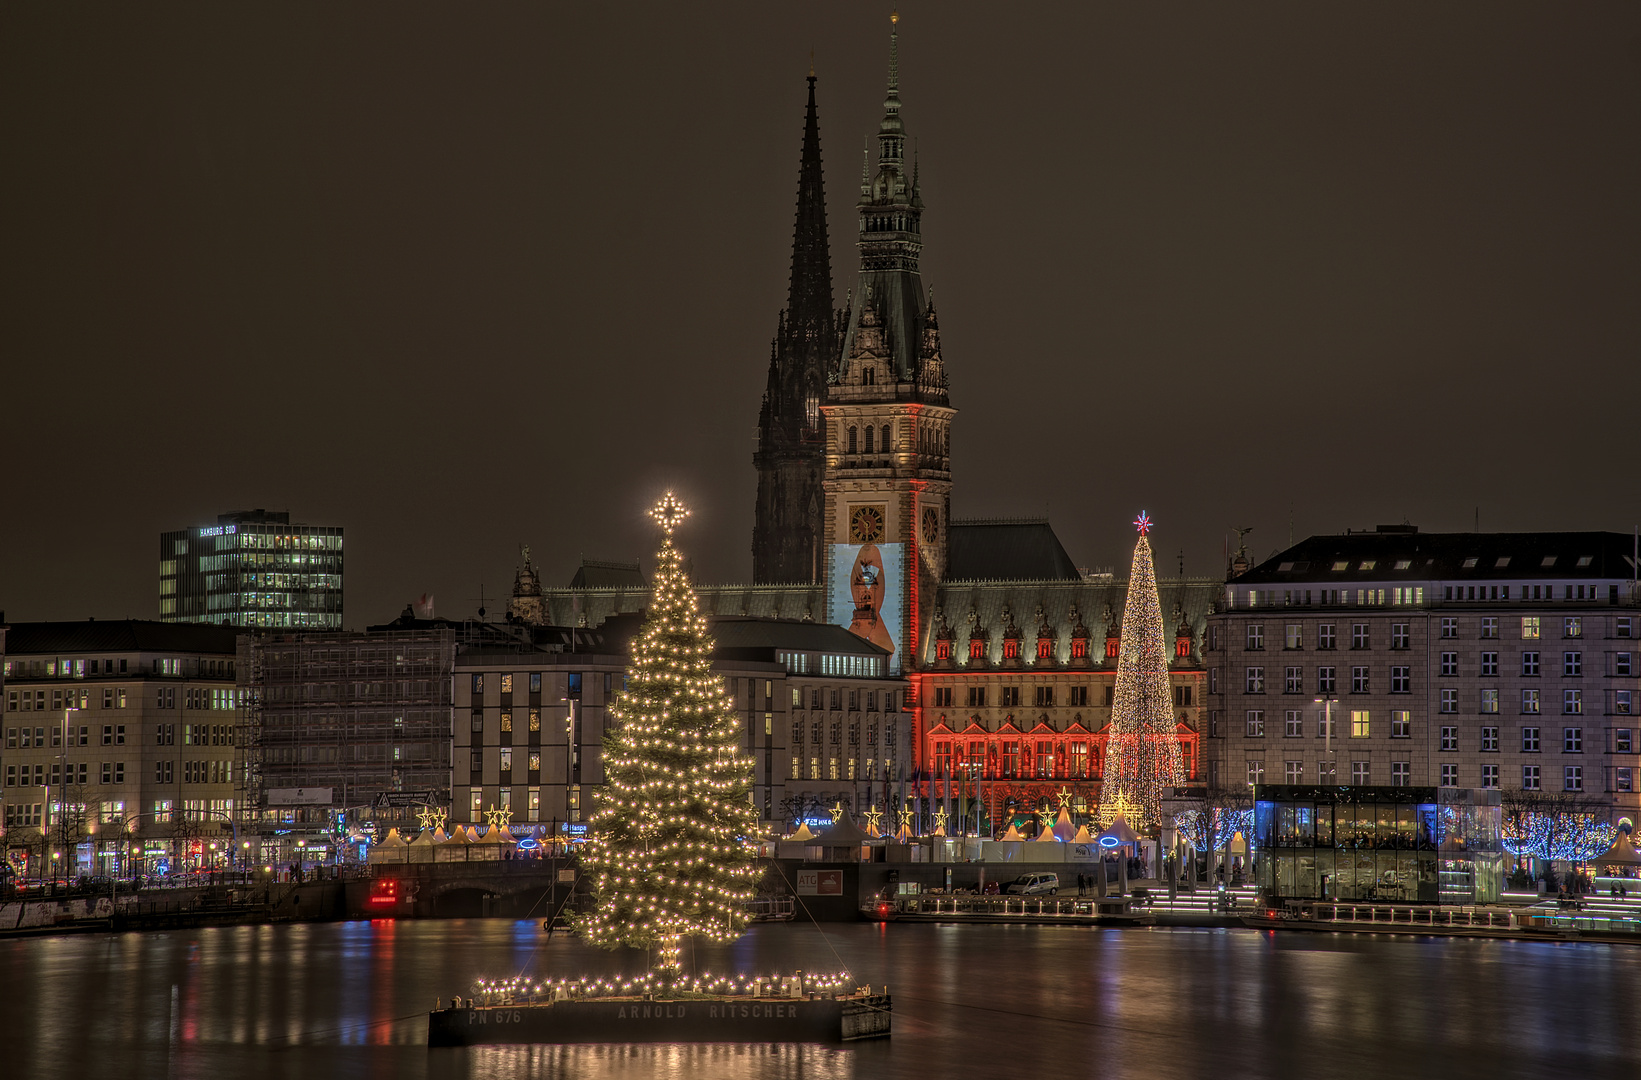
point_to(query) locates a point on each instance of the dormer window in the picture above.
(868, 376)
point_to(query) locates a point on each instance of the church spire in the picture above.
(791, 449)
(809, 300)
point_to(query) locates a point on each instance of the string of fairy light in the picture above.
(524, 989)
(1143, 756)
(1576, 837)
(668, 854)
(1211, 830)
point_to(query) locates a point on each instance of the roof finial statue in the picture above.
(811, 61)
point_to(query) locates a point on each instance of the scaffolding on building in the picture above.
(366, 715)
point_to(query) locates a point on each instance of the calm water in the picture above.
(348, 1000)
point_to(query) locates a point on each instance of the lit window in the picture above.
(1359, 723)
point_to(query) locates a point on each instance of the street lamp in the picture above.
(1327, 704)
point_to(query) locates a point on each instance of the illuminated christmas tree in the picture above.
(1142, 754)
(667, 856)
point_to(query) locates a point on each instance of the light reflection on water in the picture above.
(315, 1001)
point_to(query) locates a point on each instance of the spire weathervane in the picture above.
(1143, 524)
(669, 512)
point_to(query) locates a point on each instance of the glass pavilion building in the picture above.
(253, 568)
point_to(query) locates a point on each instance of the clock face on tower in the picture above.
(931, 525)
(866, 525)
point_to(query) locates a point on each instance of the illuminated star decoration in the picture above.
(940, 819)
(499, 818)
(1064, 797)
(874, 821)
(425, 816)
(1143, 523)
(439, 818)
(836, 811)
(669, 512)
(906, 818)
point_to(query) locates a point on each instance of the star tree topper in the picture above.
(669, 512)
(1143, 523)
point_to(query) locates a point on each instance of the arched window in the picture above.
(868, 376)
(1045, 648)
(885, 440)
(852, 433)
(868, 438)
(977, 649)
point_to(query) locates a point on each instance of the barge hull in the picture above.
(740, 1020)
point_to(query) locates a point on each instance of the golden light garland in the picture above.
(669, 852)
(1143, 757)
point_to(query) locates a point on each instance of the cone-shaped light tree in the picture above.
(667, 855)
(1142, 753)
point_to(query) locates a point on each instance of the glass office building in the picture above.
(1403, 844)
(253, 568)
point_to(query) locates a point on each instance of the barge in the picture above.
(690, 1018)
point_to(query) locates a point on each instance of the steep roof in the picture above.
(119, 635)
(1400, 553)
(1007, 550)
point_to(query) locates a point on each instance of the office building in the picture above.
(253, 568)
(120, 747)
(1457, 660)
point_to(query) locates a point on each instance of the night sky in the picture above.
(458, 277)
